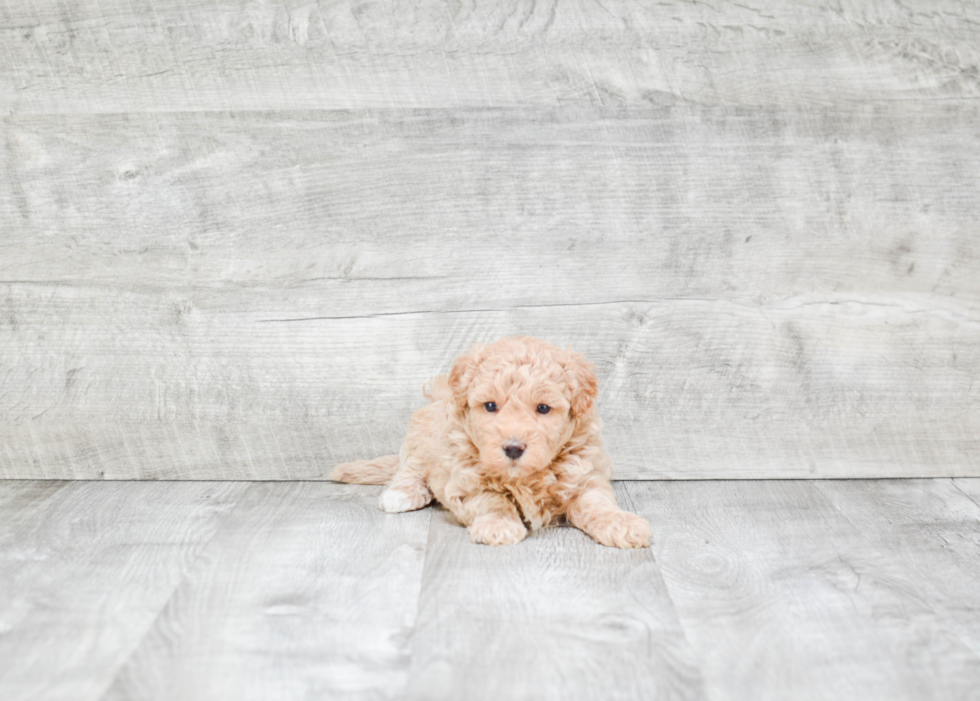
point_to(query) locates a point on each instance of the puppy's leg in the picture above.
(490, 518)
(407, 490)
(595, 511)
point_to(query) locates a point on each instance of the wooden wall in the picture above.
(236, 239)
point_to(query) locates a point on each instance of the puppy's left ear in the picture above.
(582, 382)
(461, 376)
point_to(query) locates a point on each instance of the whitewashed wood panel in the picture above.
(782, 596)
(688, 390)
(970, 487)
(151, 55)
(249, 296)
(555, 617)
(20, 501)
(930, 528)
(753, 590)
(85, 570)
(374, 212)
(309, 591)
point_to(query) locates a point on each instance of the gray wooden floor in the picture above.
(293, 590)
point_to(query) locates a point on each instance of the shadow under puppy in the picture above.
(510, 441)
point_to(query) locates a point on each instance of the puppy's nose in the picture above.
(514, 450)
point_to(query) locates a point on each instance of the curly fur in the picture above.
(454, 449)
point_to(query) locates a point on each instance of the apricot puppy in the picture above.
(509, 442)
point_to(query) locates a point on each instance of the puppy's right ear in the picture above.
(462, 374)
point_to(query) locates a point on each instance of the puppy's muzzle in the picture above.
(514, 450)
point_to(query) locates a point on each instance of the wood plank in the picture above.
(381, 212)
(20, 501)
(171, 55)
(970, 487)
(257, 296)
(309, 591)
(782, 597)
(83, 577)
(554, 617)
(931, 528)
(761, 590)
(687, 390)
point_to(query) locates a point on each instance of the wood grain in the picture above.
(969, 487)
(782, 596)
(929, 528)
(21, 500)
(157, 55)
(686, 391)
(754, 590)
(84, 571)
(378, 212)
(259, 296)
(554, 617)
(308, 591)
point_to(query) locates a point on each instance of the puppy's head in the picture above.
(520, 401)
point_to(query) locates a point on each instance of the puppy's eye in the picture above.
(543, 408)
(490, 406)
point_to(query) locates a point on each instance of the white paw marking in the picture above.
(395, 502)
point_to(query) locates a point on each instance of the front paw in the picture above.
(491, 529)
(621, 529)
(395, 501)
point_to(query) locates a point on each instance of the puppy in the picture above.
(510, 442)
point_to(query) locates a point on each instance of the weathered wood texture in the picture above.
(309, 591)
(906, 520)
(84, 571)
(865, 591)
(236, 239)
(170, 312)
(557, 617)
(754, 590)
(149, 55)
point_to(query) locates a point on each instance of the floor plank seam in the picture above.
(685, 634)
(629, 497)
(969, 496)
(124, 662)
(426, 564)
